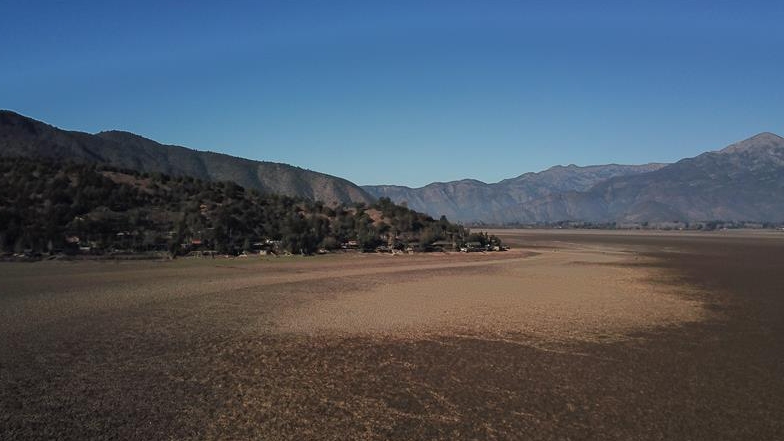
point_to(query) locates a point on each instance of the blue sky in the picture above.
(397, 92)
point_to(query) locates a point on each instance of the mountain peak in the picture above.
(10, 120)
(118, 133)
(760, 142)
(122, 136)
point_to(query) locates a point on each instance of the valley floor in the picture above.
(571, 335)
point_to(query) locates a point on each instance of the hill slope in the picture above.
(56, 206)
(25, 137)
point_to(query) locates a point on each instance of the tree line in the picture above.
(53, 207)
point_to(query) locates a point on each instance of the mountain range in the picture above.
(742, 182)
(25, 137)
(470, 200)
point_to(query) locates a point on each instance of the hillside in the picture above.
(471, 200)
(48, 206)
(21, 136)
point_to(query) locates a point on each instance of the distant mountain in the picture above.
(25, 137)
(475, 201)
(743, 182)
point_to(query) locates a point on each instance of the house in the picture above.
(443, 245)
(350, 245)
(472, 247)
(413, 247)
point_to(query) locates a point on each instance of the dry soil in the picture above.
(571, 335)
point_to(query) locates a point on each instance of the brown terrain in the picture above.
(571, 335)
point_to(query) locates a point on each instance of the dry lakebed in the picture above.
(569, 335)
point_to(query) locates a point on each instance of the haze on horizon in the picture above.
(402, 92)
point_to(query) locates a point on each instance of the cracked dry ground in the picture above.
(578, 336)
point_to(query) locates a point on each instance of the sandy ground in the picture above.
(40, 293)
(575, 293)
(572, 335)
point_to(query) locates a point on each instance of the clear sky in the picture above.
(399, 92)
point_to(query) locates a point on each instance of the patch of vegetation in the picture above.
(52, 207)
